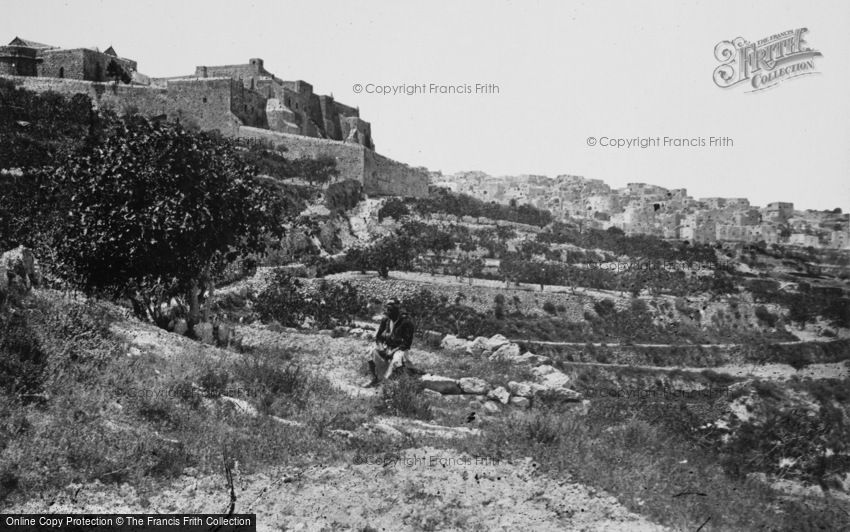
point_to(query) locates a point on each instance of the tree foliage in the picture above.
(154, 209)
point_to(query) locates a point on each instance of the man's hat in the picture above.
(392, 302)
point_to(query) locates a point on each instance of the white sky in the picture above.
(565, 70)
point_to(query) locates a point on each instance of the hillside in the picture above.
(205, 327)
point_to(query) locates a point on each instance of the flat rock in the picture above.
(240, 405)
(453, 343)
(550, 377)
(556, 394)
(384, 429)
(499, 394)
(444, 385)
(473, 385)
(520, 389)
(431, 394)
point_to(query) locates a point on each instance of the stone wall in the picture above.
(205, 103)
(119, 98)
(18, 61)
(224, 104)
(380, 176)
(80, 63)
(385, 177)
(248, 105)
(348, 157)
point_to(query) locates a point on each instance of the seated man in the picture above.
(393, 340)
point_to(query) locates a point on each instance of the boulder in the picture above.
(520, 389)
(495, 342)
(453, 343)
(506, 352)
(477, 347)
(499, 394)
(520, 402)
(555, 394)
(550, 377)
(473, 385)
(444, 385)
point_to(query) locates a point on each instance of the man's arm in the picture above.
(405, 335)
(379, 336)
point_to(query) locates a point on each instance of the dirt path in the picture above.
(422, 489)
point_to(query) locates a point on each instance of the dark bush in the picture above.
(343, 195)
(281, 301)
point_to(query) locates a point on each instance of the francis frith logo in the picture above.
(765, 63)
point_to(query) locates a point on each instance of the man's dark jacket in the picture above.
(401, 336)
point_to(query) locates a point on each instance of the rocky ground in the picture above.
(420, 488)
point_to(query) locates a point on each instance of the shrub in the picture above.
(343, 195)
(542, 427)
(334, 304)
(604, 308)
(549, 308)
(402, 396)
(281, 300)
(394, 208)
(272, 385)
(765, 316)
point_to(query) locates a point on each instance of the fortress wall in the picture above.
(249, 106)
(386, 177)
(348, 157)
(380, 176)
(345, 110)
(205, 103)
(119, 98)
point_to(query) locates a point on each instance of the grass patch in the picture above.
(403, 396)
(651, 470)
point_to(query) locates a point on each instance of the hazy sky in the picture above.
(565, 71)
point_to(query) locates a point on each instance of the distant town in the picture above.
(641, 208)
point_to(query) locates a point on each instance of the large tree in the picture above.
(154, 209)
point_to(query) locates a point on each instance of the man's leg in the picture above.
(396, 362)
(377, 366)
